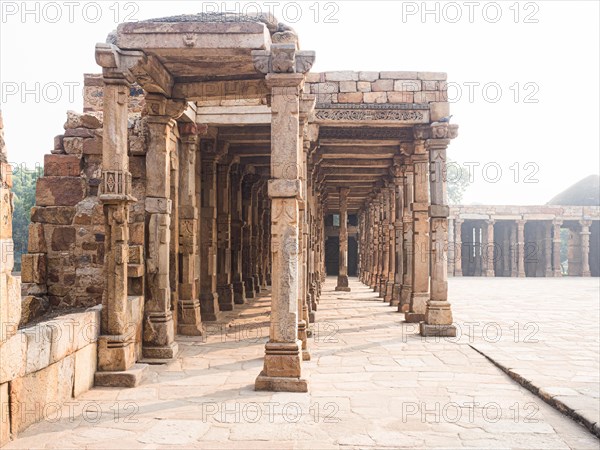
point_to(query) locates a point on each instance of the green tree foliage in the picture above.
(24, 199)
(457, 178)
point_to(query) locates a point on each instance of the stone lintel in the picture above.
(284, 79)
(280, 188)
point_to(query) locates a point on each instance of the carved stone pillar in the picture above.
(239, 288)
(188, 305)
(585, 247)
(248, 245)
(209, 299)
(521, 248)
(556, 244)
(158, 334)
(391, 273)
(458, 247)
(420, 254)
(116, 344)
(398, 269)
(283, 358)
(256, 235)
(548, 249)
(451, 248)
(376, 243)
(384, 239)
(488, 251)
(116, 350)
(407, 239)
(438, 317)
(342, 280)
(224, 286)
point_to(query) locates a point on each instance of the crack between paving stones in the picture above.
(561, 407)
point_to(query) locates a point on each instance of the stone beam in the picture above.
(221, 90)
(138, 67)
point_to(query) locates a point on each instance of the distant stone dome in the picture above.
(585, 192)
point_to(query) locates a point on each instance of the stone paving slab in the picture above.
(545, 332)
(373, 383)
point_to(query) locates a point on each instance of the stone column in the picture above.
(188, 305)
(248, 246)
(505, 250)
(556, 244)
(239, 288)
(548, 250)
(391, 232)
(585, 247)
(376, 259)
(117, 343)
(398, 269)
(342, 280)
(385, 241)
(224, 286)
(521, 248)
(158, 335)
(420, 254)
(407, 239)
(438, 316)
(209, 299)
(283, 351)
(451, 253)
(488, 253)
(256, 234)
(458, 247)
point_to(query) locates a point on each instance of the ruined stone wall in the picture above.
(42, 366)
(65, 259)
(10, 286)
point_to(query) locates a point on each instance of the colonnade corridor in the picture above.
(375, 383)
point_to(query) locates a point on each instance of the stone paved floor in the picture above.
(545, 330)
(373, 384)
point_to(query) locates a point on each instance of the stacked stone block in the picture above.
(382, 88)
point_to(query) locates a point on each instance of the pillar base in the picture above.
(185, 329)
(437, 330)
(189, 321)
(124, 378)
(395, 301)
(239, 292)
(249, 285)
(280, 384)
(411, 317)
(257, 287)
(311, 317)
(163, 352)
(389, 292)
(490, 273)
(209, 306)
(225, 293)
(115, 353)
(305, 355)
(343, 288)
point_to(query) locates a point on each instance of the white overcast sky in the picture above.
(544, 51)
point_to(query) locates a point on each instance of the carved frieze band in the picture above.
(345, 115)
